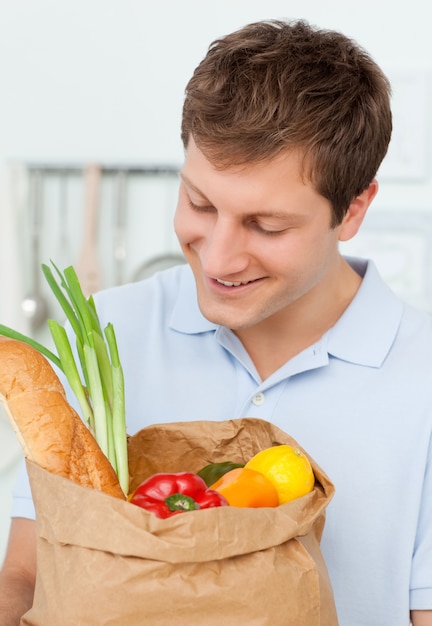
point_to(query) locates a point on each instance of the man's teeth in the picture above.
(229, 284)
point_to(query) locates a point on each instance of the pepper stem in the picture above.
(180, 502)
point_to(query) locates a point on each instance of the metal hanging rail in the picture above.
(71, 168)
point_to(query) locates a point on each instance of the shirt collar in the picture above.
(363, 334)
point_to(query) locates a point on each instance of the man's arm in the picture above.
(421, 618)
(18, 575)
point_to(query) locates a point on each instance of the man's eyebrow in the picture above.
(190, 184)
(261, 213)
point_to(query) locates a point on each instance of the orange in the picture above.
(288, 468)
(246, 487)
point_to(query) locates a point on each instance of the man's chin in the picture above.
(233, 320)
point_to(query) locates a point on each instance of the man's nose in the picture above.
(226, 249)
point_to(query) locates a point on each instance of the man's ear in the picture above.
(356, 212)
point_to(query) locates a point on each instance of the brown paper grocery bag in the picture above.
(103, 561)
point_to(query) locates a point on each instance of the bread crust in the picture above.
(51, 433)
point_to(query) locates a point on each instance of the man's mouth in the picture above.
(228, 283)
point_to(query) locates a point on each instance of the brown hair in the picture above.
(274, 86)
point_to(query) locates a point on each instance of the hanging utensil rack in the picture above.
(137, 204)
(72, 168)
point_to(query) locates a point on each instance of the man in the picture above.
(284, 128)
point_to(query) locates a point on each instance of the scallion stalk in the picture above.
(69, 368)
(118, 410)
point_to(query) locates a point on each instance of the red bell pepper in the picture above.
(167, 494)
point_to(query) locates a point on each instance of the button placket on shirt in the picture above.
(262, 402)
(258, 399)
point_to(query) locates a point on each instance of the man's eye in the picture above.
(201, 208)
(267, 231)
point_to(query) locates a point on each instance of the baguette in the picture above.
(50, 432)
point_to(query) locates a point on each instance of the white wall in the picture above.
(92, 79)
(103, 80)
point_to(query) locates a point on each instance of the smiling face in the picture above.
(258, 239)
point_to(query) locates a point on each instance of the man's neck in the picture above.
(278, 339)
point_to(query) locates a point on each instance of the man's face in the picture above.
(257, 238)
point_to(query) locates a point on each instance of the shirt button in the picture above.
(258, 399)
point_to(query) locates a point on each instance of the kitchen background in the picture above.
(91, 95)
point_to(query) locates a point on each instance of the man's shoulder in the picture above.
(384, 315)
(416, 321)
(415, 333)
(164, 284)
(143, 303)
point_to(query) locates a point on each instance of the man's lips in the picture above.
(227, 283)
(234, 283)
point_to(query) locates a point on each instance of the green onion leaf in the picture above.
(14, 334)
(70, 370)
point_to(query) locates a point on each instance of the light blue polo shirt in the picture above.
(359, 401)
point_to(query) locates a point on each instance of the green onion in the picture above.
(68, 366)
(99, 388)
(118, 410)
(14, 334)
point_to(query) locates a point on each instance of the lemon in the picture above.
(288, 468)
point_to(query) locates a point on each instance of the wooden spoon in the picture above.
(88, 269)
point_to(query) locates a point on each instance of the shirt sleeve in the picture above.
(421, 573)
(22, 501)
